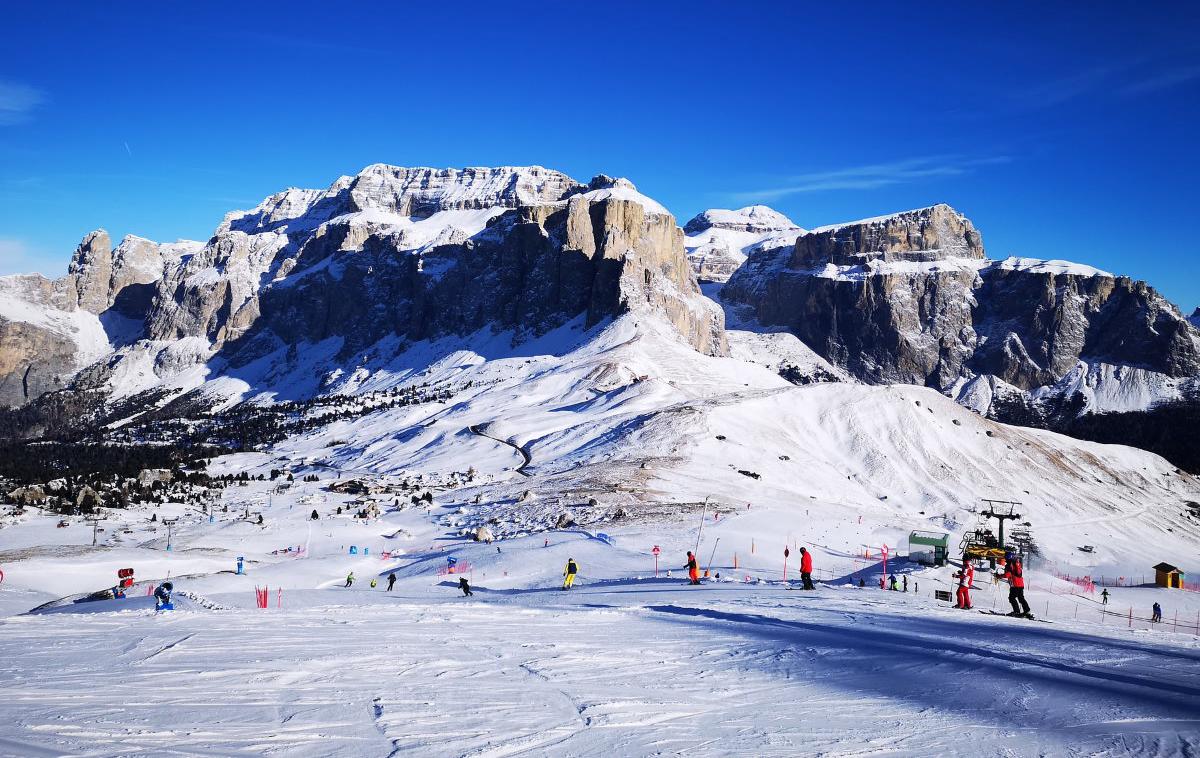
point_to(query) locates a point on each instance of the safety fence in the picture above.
(262, 597)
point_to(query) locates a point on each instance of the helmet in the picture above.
(1010, 556)
(168, 586)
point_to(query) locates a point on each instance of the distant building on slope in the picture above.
(1166, 575)
(932, 548)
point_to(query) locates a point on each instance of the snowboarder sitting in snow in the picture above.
(1157, 613)
(162, 597)
(465, 586)
(1014, 573)
(315, 516)
(693, 568)
(965, 577)
(569, 573)
(806, 568)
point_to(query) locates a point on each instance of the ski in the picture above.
(1010, 616)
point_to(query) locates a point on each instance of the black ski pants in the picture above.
(1016, 598)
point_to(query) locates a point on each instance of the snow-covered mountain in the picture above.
(379, 260)
(718, 240)
(912, 298)
(369, 282)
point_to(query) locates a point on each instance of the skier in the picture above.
(1104, 597)
(881, 585)
(465, 586)
(391, 582)
(1157, 613)
(1014, 572)
(806, 569)
(693, 569)
(569, 573)
(162, 597)
(349, 579)
(965, 577)
(905, 582)
(892, 583)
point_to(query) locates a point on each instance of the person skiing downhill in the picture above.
(162, 597)
(693, 568)
(965, 577)
(391, 582)
(349, 579)
(806, 568)
(1014, 573)
(1104, 597)
(465, 586)
(569, 573)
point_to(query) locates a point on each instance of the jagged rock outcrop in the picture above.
(91, 271)
(719, 240)
(911, 298)
(888, 299)
(45, 337)
(395, 254)
(1195, 317)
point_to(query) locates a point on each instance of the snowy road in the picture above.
(624, 669)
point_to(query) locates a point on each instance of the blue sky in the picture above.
(1063, 132)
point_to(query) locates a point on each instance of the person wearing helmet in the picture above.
(569, 573)
(162, 597)
(1014, 573)
(693, 568)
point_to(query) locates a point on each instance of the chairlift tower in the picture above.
(1001, 510)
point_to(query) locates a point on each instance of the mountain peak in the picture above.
(758, 219)
(937, 232)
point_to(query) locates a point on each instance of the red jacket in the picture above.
(966, 575)
(806, 562)
(1015, 573)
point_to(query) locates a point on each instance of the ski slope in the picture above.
(598, 445)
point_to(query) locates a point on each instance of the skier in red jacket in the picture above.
(693, 568)
(806, 569)
(1014, 573)
(965, 577)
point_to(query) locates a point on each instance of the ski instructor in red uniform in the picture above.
(806, 569)
(1014, 572)
(965, 577)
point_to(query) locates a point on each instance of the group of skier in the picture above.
(1014, 574)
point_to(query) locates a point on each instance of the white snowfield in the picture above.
(662, 439)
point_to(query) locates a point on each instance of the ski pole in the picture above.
(710, 556)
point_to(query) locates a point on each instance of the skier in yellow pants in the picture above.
(569, 572)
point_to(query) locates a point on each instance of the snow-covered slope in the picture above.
(719, 240)
(912, 298)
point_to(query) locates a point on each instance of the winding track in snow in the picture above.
(525, 457)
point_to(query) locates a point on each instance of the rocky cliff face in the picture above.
(718, 241)
(911, 298)
(392, 254)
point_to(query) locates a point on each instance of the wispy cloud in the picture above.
(17, 257)
(1128, 78)
(17, 102)
(1162, 80)
(871, 176)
